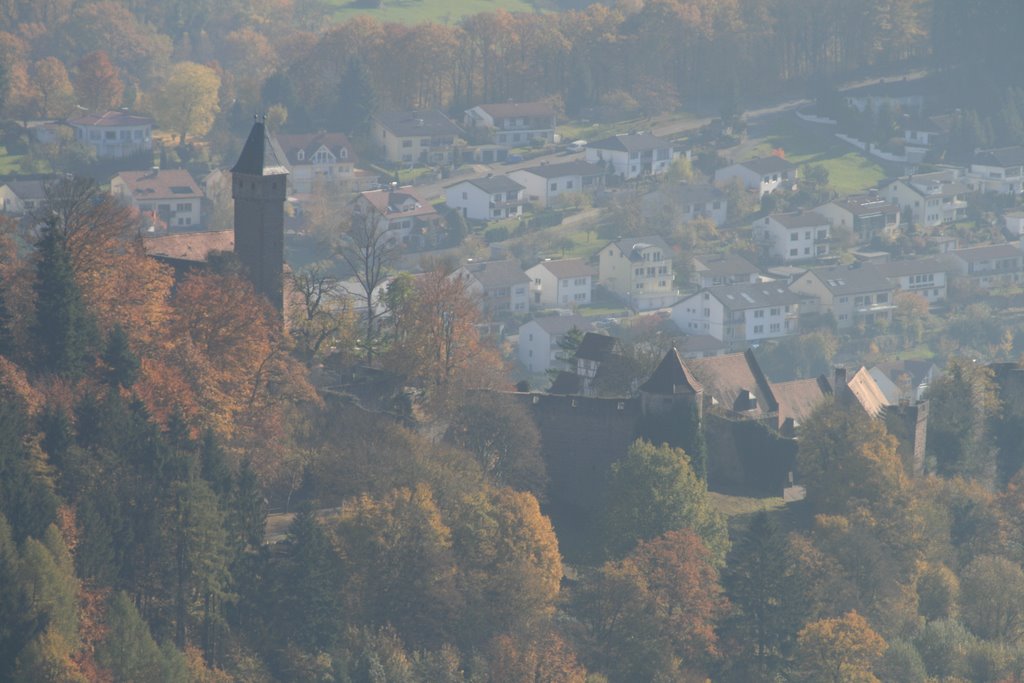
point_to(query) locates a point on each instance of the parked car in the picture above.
(576, 146)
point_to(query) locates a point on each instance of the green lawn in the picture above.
(419, 11)
(849, 171)
(9, 162)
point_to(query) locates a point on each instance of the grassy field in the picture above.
(8, 162)
(418, 11)
(849, 172)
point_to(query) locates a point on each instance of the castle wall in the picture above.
(746, 457)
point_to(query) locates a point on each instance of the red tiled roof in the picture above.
(161, 184)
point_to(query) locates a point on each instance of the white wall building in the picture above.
(790, 237)
(639, 270)
(565, 282)
(538, 342)
(514, 124)
(114, 134)
(486, 199)
(546, 182)
(763, 175)
(740, 315)
(633, 155)
(172, 196)
(932, 198)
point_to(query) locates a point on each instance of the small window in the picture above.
(301, 155)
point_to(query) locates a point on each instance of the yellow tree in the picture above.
(188, 102)
(841, 650)
(56, 96)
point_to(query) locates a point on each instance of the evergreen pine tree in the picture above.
(214, 467)
(7, 346)
(64, 332)
(357, 100)
(121, 363)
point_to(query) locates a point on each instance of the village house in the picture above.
(22, 196)
(925, 276)
(631, 155)
(114, 134)
(486, 199)
(639, 270)
(763, 175)
(312, 158)
(415, 137)
(868, 216)
(539, 338)
(928, 133)
(931, 198)
(852, 294)
(171, 195)
(546, 182)
(514, 124)
(501, 287)
(1013, 224)
(740, 315)
(409, 219)
(796, 236)
(997, 170)
(563, 282)
(989, 266)
(687, 201)
(713, 270)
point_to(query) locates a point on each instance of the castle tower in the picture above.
(259, 187)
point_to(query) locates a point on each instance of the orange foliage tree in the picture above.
(841, 650)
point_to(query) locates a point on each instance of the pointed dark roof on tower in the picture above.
(261, 154)
(671, 377)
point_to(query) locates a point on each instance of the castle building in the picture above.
(259, 188)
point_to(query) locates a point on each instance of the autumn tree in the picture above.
(188, 101)
(323, 323)
(654, 490)
(370, 252)
(499, 431)
(839, 650)
(56, 95)
(97, 83)
(992, 600)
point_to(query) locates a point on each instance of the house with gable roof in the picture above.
(989, 266)
(486, 199)
(323, 157)
(763, 175)
(23, 195)
(538, 347)
(713, 270)
(562, 282)
(688, 201)
(997, 170)
(924, 276)
(931, 198)
(740, 315)
(631, 155)
(639, 270)
(501, 287)
(412, 137)
(794, 236)
(851, 294)
(868, 216)
(171, 195)
(514, 124)
(546, 182)
(409, 219)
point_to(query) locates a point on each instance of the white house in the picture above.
(538, 341)
(114, 134)
(19, 197)
(990, 266)
(925, 276)
(171, 195)
(501, 286)
(639, 270)
(763, 174)
(796, 236)
(688, 201)
(1014, 224)
(565, 282)
(313, 158)
(997, 170)
(514, 124)
(715, 270)
(486, 199)
(631, 155)
(851, 294)
(868, 216)
(546, 182)
(740, 315)
(412, 137)
(932, 198)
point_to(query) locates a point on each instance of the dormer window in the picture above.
(343, 153)
(301, 155)
(745, 401)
